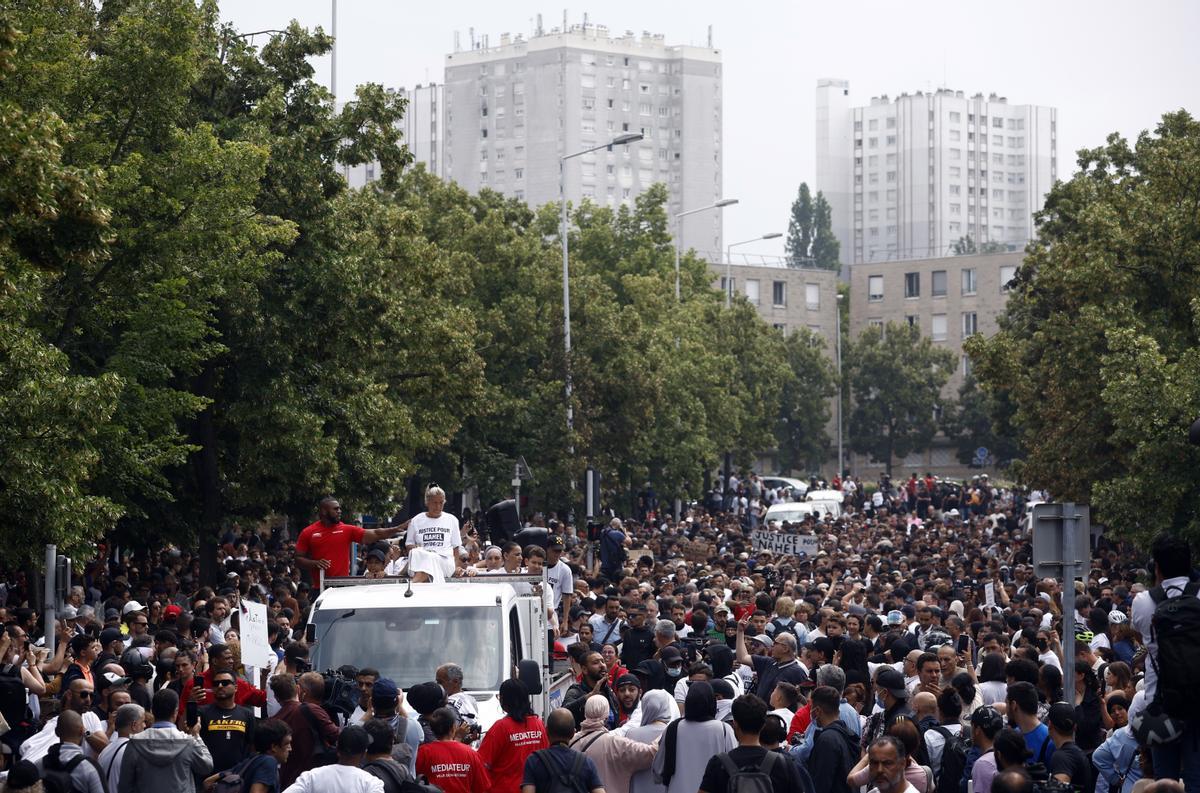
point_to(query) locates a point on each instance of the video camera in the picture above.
(341, 692)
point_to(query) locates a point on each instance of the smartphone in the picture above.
(193, 709)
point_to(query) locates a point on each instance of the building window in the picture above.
(779, 293)
(955, 117)
(912, 284)
(938, 328)
(1007, 273)
(970, 324)
(913, 320)
(968, 281)
(938, 283)
(812, 297)
(966, 365)
(752, 290)
(781, 327)
(875, 322)
(874, 288)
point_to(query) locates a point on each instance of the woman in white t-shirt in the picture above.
(433, 540)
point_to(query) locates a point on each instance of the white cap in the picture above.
(131, 607)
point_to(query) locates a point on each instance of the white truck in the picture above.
(493, 626)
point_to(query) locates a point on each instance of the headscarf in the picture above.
(595, 713)
(699, 706)
(656, 706)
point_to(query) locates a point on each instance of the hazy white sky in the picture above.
(1107, 66)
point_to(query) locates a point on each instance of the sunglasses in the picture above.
(224, 683)
(84, 694)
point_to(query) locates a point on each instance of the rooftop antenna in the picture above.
(710, 37)
(585, 23)
(457, 42)
(539, 24)
(564, 27)
(471, 33)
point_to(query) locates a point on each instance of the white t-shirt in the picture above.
(561, 581)
(439, 535)
(342, 778)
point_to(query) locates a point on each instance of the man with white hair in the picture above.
(129, 721)
(433, 539)
(780, 666)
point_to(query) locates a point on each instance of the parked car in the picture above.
(797, 487)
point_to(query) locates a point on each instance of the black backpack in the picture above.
(396, 779)
(954, 761)
(562, 780)
(56, 777)
(1175, 627)
(752, 779)
(14, 699)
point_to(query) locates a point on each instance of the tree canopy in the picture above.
(1099, 349)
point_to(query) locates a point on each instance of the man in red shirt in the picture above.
(220, 659)
(325, 545)
(452, 766)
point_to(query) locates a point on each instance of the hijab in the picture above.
(700, 706)
(595, 713)
(656, 706)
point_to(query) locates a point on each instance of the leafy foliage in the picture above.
(810, 239)
(895, 376)
(1097, 351)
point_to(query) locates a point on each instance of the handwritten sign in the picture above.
(793, 544)
(989, 594)
(256, 648)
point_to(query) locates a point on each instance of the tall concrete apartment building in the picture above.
(511, 111)
(423, 132)
(908, 177)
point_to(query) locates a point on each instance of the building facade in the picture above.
(790, 298)
(423, 132)
(908, 178)
(511, 111)
(949, 299)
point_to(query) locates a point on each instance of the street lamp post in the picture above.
(724, 202)
(838, 324)
(729, 262)
(620, 140)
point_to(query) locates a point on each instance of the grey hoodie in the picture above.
(163, 759)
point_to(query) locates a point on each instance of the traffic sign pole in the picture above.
(1068, 574)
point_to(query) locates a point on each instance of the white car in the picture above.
(796, 511)
(785, 483)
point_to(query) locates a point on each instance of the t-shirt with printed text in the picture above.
(505, 748)
(452, 766)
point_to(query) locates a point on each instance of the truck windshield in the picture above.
(409, 644)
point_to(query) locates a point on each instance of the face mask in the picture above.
(880, 702)
(674, 671)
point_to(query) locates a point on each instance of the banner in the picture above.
(256, 649)
(794, 544)
(989, 594)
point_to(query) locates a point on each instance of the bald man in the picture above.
(67, 755)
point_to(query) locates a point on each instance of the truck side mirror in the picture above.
(530, 673)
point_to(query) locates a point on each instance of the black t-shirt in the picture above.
(1069, 759)
(784, 777)
(228, 734)
(769, 673)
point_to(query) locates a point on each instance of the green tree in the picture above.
(1098, 348)
(825, 248)
(965, 246)
(980, 419)
(801, 438)
(801, 230)
(810, 240)
(896, 377)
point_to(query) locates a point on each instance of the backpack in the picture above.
(562, 780)
(954, 761)
(1175, 627)
(396, 778)
(14, 699)
(749, 780)
(323, 754)
(233, 780)
(56, 777)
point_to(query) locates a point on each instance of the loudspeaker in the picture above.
(534, 535)
(502, 522)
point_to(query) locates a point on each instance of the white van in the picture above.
(493, 626)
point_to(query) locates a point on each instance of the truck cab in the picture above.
(493, 626)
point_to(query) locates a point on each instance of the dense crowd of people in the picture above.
(916, 649)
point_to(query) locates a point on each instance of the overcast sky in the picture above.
(1107, 66)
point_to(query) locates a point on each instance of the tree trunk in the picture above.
(208, 478)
